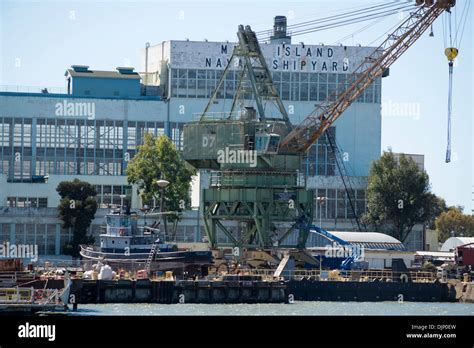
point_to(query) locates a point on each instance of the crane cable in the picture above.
(451, 53)
(342, 20)
(355, 10)
(450, 101)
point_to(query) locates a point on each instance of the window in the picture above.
(27, 202)
(341, 204)
(322, 87)
(313, 91)
(4, 133)
(321, 203)
(11, 202)
(295, 91)
(369, 94)
(191, 73)
(51, 239)
(42, 202)
(4, 232)
(331, 204)
(332, 91)
(285, 91)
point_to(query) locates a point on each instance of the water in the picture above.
(297, 308)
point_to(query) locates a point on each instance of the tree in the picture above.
(77, 209)
(454, 222)
(398, 196)
(438, 206)
(157, 159)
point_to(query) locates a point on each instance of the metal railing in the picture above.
(352, 275)
(16, 295)
(255, 178)
(33, 89)
(217, 116)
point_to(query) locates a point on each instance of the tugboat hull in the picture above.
(163, 261)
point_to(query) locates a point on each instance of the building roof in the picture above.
(366, 237)
(370, 240)
(440, 254)
(103, 74)
(453, 242)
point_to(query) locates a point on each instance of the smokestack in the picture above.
(279, 31)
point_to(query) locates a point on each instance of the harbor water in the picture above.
(297, 308)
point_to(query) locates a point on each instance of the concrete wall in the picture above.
(44, 105)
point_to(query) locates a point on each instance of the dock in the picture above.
(260, 289)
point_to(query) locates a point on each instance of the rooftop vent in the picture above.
(126, 70)
(80, 68)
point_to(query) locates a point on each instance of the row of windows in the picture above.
(23, 168)
(334, 204)
(45, 235)
(82, 156)
(108, 196)
(295, 86)
(73, 133)
(42, 235)
(73, 146)
(319, 160)
(26, 202)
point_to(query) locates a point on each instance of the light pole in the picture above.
(162, 184)
(121, 201)
(321, 201)
(145, 210)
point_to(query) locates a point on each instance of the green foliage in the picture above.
(77, 209)
(453, 220)
(398, 196)
(157, 159)
(438, 206)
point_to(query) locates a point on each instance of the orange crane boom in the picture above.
(314, 125)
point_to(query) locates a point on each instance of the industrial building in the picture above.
(92, 129)
(379, 250)
(452, 243)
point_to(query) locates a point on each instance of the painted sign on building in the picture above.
(279, 57)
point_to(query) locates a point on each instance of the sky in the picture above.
(39, 40)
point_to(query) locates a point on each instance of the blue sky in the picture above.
(40, 39)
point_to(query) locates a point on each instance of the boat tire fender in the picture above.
(404, 278)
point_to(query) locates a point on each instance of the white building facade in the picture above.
(39, 138)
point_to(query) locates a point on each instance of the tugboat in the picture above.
(129, 247)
